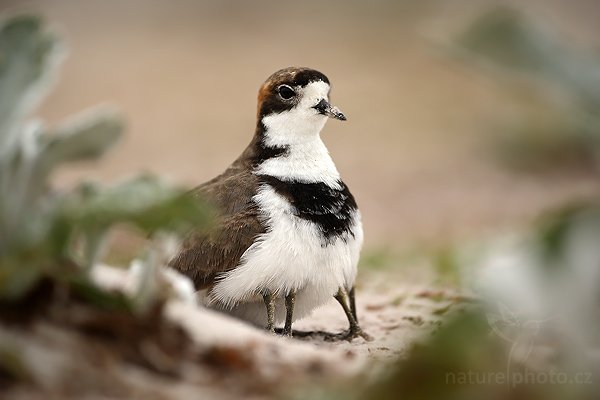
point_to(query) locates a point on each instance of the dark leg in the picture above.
(290, 300)
(270, 305)
(355, 330)
(352, 304)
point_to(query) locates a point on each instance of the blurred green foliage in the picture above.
(41, 229)
(447, 264)
(561, 79)
(555, 266)
(465, 360)
(441, 260)
(462, 344)
(553, 229)
(377, 258)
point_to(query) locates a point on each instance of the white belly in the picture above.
(291, 255)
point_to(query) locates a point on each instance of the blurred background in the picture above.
(420, 149)
(473, 139)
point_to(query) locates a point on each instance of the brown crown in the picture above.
(268, 101)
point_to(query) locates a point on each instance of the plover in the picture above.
(289, 232)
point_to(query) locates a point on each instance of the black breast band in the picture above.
(330, 208)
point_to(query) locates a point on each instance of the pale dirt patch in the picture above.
(72, 351)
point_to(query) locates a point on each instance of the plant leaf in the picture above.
(86, 137)
(143, 201)
(28, 55)
(506, 38)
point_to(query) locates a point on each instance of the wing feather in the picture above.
(204, 255)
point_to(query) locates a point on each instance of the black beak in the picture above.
(324, 108)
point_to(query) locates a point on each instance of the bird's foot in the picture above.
(287, 333)
(354, 333)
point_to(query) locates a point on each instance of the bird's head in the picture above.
(295, 101)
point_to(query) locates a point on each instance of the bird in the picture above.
(288, 233)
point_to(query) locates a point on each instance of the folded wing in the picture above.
(204, 255)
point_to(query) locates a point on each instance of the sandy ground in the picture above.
(393, 315)
(226, 358)
(393, 318)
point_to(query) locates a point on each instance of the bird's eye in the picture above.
(286, 92)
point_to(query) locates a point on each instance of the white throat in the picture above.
(300, 123)
(307, 159)
(307, 162)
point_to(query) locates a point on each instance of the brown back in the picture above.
(205, 255)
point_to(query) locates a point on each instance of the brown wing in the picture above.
(204, 255)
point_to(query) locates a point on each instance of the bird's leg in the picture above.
(290, 300)
(270, 305)
(352, 302)
(354, 330)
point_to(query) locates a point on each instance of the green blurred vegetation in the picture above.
(555, 263)
(379, 258)
(46, 235)
(442, 260)
(556, 84)
(464, 361)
